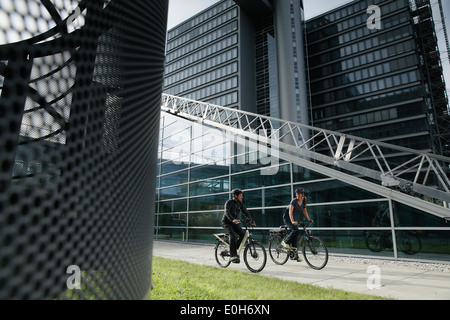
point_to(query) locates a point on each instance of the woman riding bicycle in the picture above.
(292, 216)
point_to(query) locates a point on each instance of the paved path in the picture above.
(403, 281)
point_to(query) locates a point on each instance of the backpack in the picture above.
(286, 211)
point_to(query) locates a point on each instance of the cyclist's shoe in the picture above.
(298, 259)
(235, 259)
(284, 244)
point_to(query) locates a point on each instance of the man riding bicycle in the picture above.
(231, 224)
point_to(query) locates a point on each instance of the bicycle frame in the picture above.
(307, 242)
(253, 251)
(247, 235)
(305, 233)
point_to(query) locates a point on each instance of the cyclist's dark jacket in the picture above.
(232, 210)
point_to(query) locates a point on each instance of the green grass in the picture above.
(178, 280)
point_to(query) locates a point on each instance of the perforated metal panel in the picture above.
(80, 95)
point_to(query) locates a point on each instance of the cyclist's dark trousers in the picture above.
(292, 238)
(236, 234)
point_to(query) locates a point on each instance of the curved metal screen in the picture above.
(80, 95)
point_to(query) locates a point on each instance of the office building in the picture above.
(382, 83)
(231, 54)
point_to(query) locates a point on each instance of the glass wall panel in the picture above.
(271, 197)
(250, 155)
(334, 191)
(173, 192)
(216, 185)
(255, 179)
(206, 219)
(172, 132)
(175, 178)
(300, 174)
(208, 171)
(250, 161)
(406, 216)
(352, 242)
(173, 206)
(211, 202)
(349, 215)
(172, 220)
(253, 199)
(177, 156)
(210, 151)
(423, 244)
(173, 234)
(170, 166)
(268, 218)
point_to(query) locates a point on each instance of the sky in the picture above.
(180, 10)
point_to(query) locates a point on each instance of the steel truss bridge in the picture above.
(412, 177)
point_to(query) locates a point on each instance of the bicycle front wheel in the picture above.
(315, 253)
(222, 254)
(277, 252)
(255, 256)
(409, 242)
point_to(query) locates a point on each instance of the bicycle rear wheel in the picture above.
(222, 254)
(315, 253)
(277, 252)
(255, 256)
(374, 241)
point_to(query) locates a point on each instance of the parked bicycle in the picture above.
(255, 256)
(408, 241)
(314, 250)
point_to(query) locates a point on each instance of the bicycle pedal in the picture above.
(225, 253)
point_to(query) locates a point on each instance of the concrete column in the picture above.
(293, 98)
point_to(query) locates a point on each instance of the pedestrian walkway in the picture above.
(403, 281)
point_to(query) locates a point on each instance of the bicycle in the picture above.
(408, 241)
(255, 256)
(314, 250)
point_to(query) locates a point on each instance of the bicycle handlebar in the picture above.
(248, 222)
(301, 223)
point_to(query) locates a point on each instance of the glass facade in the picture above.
(199, 166)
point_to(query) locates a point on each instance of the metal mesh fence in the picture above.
(80, 93)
